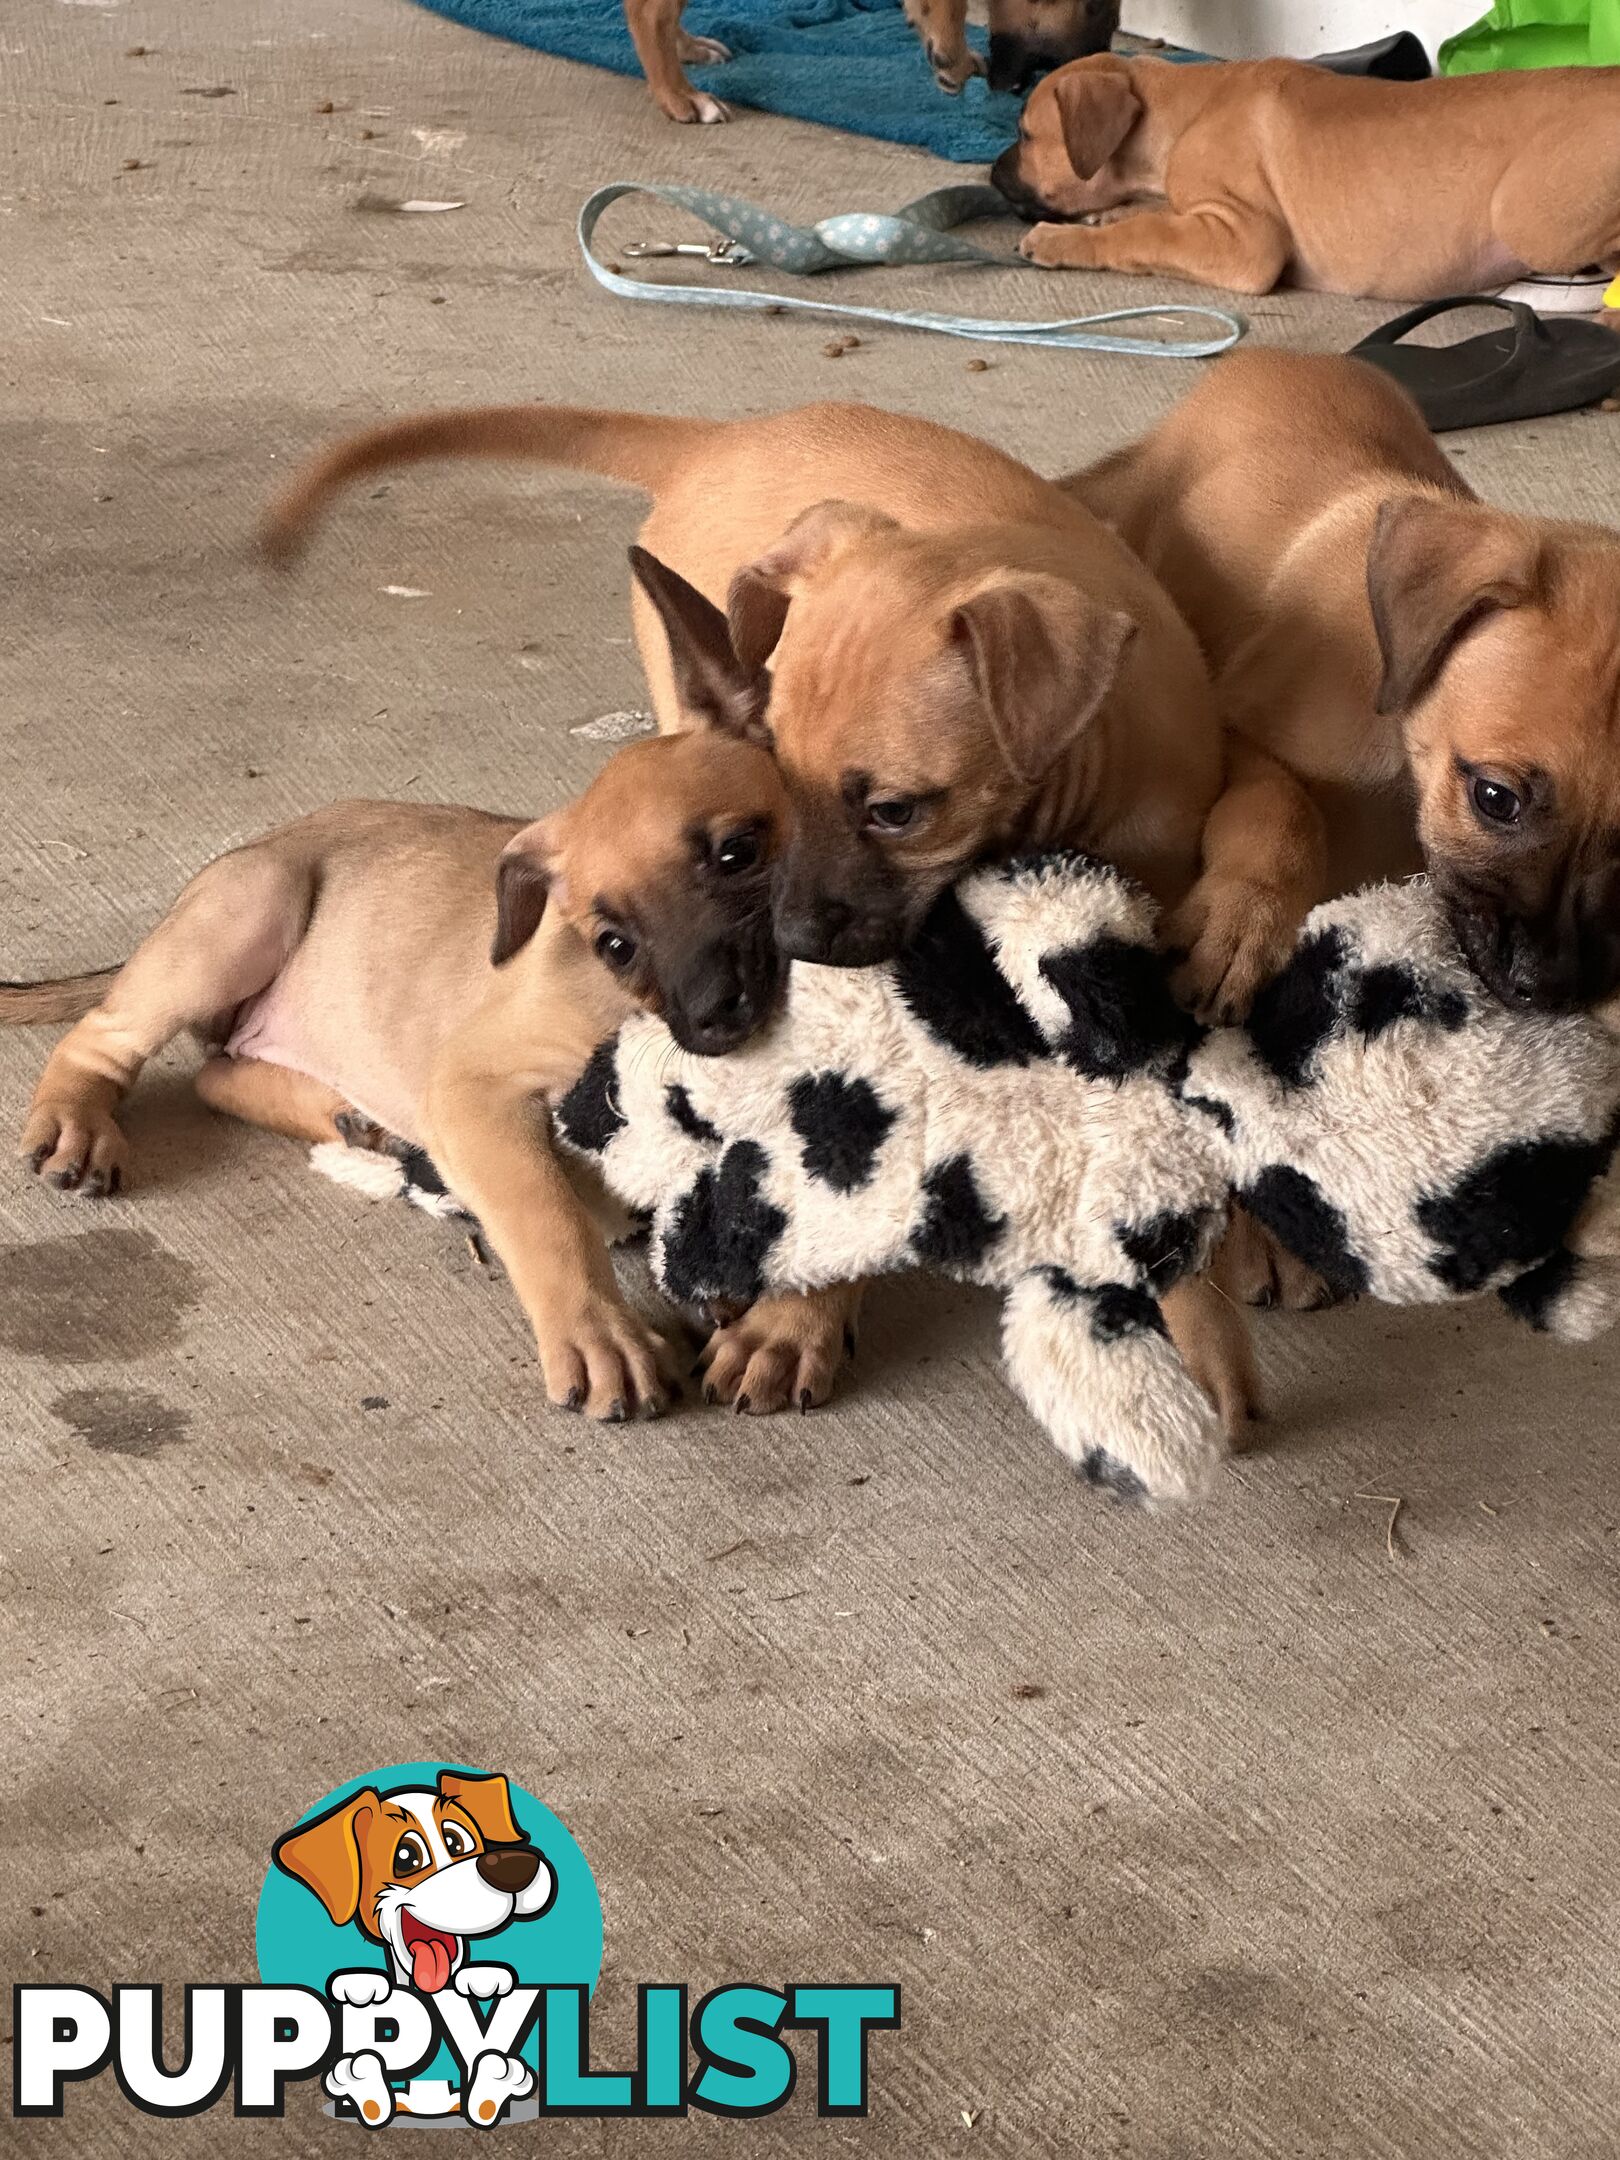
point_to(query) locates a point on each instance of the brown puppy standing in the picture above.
(1255, 173)
(346, 960)
(1025, 35)
(1440, 678)
(965, 663)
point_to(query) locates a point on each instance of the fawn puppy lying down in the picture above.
(447, 973)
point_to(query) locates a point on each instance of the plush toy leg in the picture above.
(1093, 1362)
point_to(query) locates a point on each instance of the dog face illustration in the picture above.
(422, 1871)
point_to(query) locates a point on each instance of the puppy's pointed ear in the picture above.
(757, 605)
(523, 878)
(488, 1800)
(1098, 106)
(1044, 656)
(1437, 565)
(712, 684)
(324, 1855)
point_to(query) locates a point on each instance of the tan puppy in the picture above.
(966, 663)
(1441, 680)
(347, 960)
(1255, 173)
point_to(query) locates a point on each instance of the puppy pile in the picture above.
(1018, 1102)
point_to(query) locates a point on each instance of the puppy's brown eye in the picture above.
(410, 1855)
(615, 948)
(739, 852)
(1495, 800)
(892, 815)
(456, 1841)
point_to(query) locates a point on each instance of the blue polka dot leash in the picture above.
(918, 232)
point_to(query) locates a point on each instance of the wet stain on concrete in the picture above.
(121, 1421)
(103, 1294)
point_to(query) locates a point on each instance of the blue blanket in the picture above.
(851, 64)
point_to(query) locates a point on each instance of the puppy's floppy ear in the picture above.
(1044, 656)
(1097, 106)
(757, 605)
(710, 681)
(523, 878)
(1437, 565)
(488, 1800)
(324, 1855)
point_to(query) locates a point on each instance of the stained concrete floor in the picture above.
(1220, 1834)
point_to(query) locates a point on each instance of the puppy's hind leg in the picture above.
(661, 45)
(228, 935)
(276, 1097)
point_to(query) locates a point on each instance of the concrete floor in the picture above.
(1220, 1834)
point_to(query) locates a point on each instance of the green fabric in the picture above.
(1537, 33)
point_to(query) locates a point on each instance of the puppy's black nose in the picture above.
(811, 929)
(511, 1868)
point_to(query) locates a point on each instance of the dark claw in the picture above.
(740, 1405)
(575, 1398)
(95, 1184)
(849, 1342)
(1266, 1298)
(37, 1161)
(804, 1402)
(711, 1394)
(616, 1411)
(65, 1180)
(115, 1180)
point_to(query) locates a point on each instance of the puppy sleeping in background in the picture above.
(1025, 36)
(448, 973)
(1254, 173)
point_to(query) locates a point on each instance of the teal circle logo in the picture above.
(427, 1872)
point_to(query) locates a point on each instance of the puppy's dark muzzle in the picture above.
(1016, 61)
(832, 933)
(729, 1000)
(1005, 176)
(509, 1867)
(1536, 966)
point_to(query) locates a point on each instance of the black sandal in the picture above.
(1533, 365)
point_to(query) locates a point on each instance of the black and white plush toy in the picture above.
(1019, 1102)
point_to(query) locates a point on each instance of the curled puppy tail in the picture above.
(640, 449)
(36, 1004)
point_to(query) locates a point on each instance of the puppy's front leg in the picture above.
(1264, 867)
(661, 46)
(783, 1351)
(488, 1135)
(1242, 250)
(942, 27)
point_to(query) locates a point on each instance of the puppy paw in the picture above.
(486, 1983)
(1236, 938)
(360, 2080)
(703, 51)
(76, 1147)
(1253, 1269)
(953, 70)
(1054, 247)
(361, 1988)
(783, 1353)
(606, 1361)
(691, 106)
(497, 2081)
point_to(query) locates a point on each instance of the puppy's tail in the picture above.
(641, 449)
(36, 1003)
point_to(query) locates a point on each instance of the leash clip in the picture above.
(715, 251)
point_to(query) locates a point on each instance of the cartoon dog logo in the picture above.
(424, 1872)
